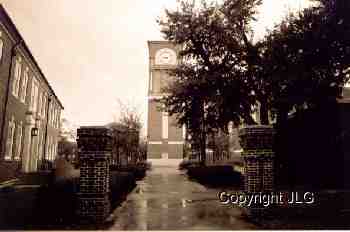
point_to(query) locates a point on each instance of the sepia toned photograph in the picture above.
(178, 115)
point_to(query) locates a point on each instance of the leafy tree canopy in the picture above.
(210, 85)
(299, 64)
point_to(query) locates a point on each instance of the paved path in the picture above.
(166, 200)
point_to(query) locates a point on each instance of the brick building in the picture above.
(29, 109)
(165, 139)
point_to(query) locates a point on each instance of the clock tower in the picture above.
(165, 138)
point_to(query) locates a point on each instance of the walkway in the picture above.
(166, 200)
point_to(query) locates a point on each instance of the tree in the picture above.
(215, 53)
(306, 58)
(129, 116)
(210, 88)
(67, 146)
(67, 149)
(68, 130)
(302, 63)
(126, 133)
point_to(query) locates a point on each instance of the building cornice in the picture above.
(7, 32)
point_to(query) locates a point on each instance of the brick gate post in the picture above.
(257, 143)
(94, 147)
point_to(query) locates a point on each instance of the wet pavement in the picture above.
(167, 200)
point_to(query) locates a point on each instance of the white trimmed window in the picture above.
(19, 141)
(38, 145)
(41, 147)
(59, 119)
(52, 147)
(165, 125)
(47, 149)
(55, 150)
(17, 76)
(40, 103)
(184, 131)
(10, 137)
(43, 105)
(40, 141)
(54, 116)
(50, 114)
(23, 92)
(165, 156)
(56, 112)
(34, 95)
(1, 47)
(151, 81)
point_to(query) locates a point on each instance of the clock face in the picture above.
(166, 56)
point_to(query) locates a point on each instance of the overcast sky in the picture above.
(94, 52)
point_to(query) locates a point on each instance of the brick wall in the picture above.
(154, 122)
(4, 75)
(258, 157)
(95, 149)
(10, 36)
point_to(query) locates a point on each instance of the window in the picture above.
(19, 141)
(1, 48)
(165, 156)
(50, 113)
(16, 77)
(58, 119)
(53, 115)
(52, 146)
(54, 150)
(10, 137)
(184, 131)
(43, 105)
(34, 95)
(165, 125)
(38, 144)
(41, 143)
(40, 103)
(47, 155)
(150, 82)
(24, 85)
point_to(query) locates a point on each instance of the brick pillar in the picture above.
(257, 142)
(94, 146)
(259, 167)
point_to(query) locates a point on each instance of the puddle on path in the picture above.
(166, 200)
